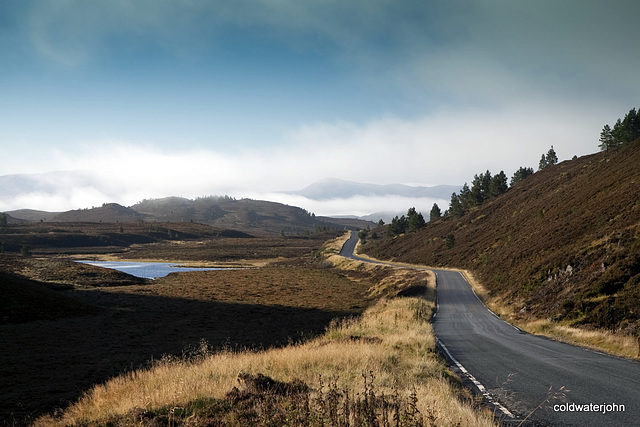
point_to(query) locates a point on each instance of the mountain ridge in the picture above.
(335, 188)
(224, 212)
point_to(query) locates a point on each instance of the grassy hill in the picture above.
(109, 212)
(244, 214)
(247, 215)
(563, 244)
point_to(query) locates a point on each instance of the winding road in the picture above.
(528, 376)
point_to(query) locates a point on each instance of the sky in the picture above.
(153, 98)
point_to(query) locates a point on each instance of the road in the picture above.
(526, 375)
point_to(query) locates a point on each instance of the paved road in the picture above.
(519, 371)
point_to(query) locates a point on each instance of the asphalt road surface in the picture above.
(527, 376)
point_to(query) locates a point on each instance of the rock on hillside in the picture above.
(562, 244)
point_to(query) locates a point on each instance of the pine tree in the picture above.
(606, 138)
(398, 225)
(543, 162)
(552, 157)
(466, 199)
(520, 174)
(455, 207)
(415, 220)
(549, 159)
(477, 191)
(435, 213)
(498, 185)
(631, 124)
(619, 134)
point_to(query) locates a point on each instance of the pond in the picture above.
(148, 270)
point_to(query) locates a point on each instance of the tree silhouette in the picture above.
(624, 131)
(520, 174)
(435, 213)
(415, 220)
(549, 159)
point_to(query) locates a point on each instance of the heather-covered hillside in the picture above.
(250, 216)
(563, 244)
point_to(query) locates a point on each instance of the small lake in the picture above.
(148, 270)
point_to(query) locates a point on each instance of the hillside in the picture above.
(251, 216)
(563, 244)
(109, 212)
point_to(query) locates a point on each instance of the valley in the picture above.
(556, 252)
(77, 324)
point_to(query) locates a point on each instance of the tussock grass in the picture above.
(615, 343)
(602, 340)
(388, 351)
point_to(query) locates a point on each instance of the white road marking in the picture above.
(477, 383)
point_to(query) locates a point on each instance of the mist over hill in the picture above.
(563, 244)
(331, 197)
(334, 188)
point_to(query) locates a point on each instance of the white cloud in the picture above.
(357, 205)
(446, 148)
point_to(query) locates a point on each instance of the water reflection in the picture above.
(148, 270)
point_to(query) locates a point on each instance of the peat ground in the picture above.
(68, 326)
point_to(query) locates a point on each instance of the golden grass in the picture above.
(609, 342)
(392, 341)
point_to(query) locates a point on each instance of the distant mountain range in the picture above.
(249, 215)
(333, 188)
(54, 184)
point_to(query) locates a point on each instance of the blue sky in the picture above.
(154, 98)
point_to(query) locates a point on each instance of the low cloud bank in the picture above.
(443, 148)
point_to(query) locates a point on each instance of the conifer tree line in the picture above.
(548, 159)
(625, 130)
(414, 221)
(486, 186)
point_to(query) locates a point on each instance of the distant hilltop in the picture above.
(224, 211)
(334, 188)
(363, 201)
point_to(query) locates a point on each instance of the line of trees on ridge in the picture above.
(414, 221)
(625, 130)
(486, 186)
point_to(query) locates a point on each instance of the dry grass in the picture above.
(609, 342)
(618, 344)
(46, 365)
(392, 344)
(399, 354)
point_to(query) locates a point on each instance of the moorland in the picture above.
(294, 335)
(66, 326)
(558, 253)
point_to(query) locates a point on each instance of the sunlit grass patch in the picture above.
(613, 343)
(381, 365)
